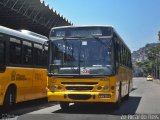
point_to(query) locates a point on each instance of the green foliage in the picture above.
(153, 60)
(153, 56)
(147, 66)
(159, 35)
(154, 53)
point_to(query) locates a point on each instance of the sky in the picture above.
(136, 21)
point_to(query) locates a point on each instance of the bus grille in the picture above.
(79, 83)
(79, 96)
(79, 87)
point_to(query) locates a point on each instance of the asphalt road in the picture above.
(144, 99)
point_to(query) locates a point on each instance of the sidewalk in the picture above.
(157, 81)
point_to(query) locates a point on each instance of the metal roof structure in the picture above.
(33, 15)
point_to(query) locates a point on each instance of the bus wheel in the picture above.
(64, 105)
(10, 98)
(118, 103)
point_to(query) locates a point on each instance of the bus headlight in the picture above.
(105, 88)
(53, 87)
(99, 88)
(59, 88)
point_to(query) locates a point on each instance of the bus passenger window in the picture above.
(15, 51)
(45, 57)
(2, 54)
(38, 54)
(27, 53)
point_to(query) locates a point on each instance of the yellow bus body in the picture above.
(30, 83)
(113, 82)
(23, 72)
(75, 75)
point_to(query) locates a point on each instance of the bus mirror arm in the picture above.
(117, 66)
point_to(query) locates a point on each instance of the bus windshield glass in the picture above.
(79, 56)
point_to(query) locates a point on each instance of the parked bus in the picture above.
(23, 67)
(88, 64)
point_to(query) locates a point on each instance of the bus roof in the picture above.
(110, 26)
(71, 26)
(33, 33)
(22, 35)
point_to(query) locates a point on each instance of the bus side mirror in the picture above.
(50, 74)
(116, 67)
(44, 44)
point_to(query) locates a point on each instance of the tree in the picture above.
(147, 66)
(154, 57)
(154, 53)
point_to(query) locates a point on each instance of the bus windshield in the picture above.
(82, 56)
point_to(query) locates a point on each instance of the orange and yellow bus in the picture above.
(88, 64)
(23, 66)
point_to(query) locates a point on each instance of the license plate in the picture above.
(104, 96)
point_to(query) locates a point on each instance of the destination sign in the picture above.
(81, 32)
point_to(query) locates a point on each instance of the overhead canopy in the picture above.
(32, 15)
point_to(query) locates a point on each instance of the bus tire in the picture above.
(64, 105)
(10, 98)
(118, 103)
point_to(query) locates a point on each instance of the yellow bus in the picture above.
(23, 62)
(88, 64)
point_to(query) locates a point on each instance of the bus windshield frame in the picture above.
(79, 48)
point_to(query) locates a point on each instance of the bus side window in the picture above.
(15, 51)
(27, 53)
(37, 54)
(117, 55)
(2, 54)
(45, 57)
(121, 53)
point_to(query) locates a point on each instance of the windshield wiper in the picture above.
(99, 40)
(74, 37)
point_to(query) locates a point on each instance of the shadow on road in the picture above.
(133, 89)
(27, 107)
(128, 107)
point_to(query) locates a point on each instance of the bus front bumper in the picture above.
(81, 97)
